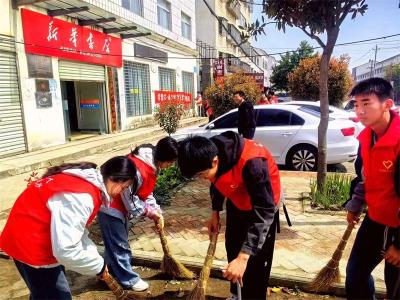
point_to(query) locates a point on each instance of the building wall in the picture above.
(206, 24)
(6, 19)
(363, 71)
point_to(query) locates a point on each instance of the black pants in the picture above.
(366, 254)
(256, 276)
(45, 283)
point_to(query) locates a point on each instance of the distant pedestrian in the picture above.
(263, 100)
(246, 118)
(209, 111)
(199, 104)
(375, 186)
(47, 227)
(272, 98)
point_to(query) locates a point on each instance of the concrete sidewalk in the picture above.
(300, 251)
(74, 150)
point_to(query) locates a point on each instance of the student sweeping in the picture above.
(245, 173)
(46, 230)
(139, 201)
(375, 186)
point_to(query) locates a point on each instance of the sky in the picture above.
(381, 19)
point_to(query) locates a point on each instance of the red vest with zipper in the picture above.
(231, 184)
(378, 170)
(149, 179)
(26, 236)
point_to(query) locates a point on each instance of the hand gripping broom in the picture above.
(330, 273)
(199, 291)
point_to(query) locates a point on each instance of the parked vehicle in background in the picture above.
(334, 112)
(290, 132)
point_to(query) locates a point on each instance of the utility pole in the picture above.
(376, 51)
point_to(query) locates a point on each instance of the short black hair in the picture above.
(166, 150)
(195, 155)
(378, 86)
(271, 92)
(240, 93)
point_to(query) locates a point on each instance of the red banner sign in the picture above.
(219, 67)
(49, 36)
(258, 77)
(185, 98)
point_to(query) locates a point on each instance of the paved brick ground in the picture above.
(301, 250)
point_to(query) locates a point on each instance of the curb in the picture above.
(153, 260)
(101, 145)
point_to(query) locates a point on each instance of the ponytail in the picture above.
(59, 169)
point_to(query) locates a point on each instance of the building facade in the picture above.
(96, 66)
(368, 70)
(218, 36)
(267, 63)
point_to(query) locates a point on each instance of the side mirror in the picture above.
(211, 126)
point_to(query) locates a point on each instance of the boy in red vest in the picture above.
(375, 186)
(245, 173)
(114, 220)
(46, 230)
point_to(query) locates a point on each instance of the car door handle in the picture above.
(287, 133)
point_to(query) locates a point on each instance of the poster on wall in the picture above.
(43, 95)
(89, 103)
(185, 98)
(39, 66)
(49, 36)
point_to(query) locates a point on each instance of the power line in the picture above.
(172, 57)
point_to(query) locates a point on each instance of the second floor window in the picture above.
(186, 26)
(135, 6)
(164, 13)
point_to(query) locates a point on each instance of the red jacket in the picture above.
(378, 170)
(26, 236)
(231, 184)
(149, 179)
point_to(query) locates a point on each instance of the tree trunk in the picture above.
(332, 35)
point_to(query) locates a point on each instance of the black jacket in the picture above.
(256, 178)
(246, 120)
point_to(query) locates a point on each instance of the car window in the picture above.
(276, 117)
(228, 121)
(296, 120)
(312, 112)
(349, 105)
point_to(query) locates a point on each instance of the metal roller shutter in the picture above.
(70, 70)
(12, 136)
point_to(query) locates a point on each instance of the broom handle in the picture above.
(205, 272)
(342, 244)
(163, 239)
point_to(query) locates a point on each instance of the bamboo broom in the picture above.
(199, 291)
(114, 286)
(169, 265)
(330, 273)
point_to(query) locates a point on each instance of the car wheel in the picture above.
(302, 158)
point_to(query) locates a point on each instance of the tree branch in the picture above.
(346, 10)
(319, 41)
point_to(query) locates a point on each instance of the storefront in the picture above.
(75, 81)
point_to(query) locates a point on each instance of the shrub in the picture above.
(168, 114)
(335, 193)
(220, 93)
(304, 80)
(167, 180)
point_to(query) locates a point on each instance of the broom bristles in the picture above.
(115, 287)
(175, 268)
(330, 273)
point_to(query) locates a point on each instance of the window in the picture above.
(186, 26)
(242, 21)
(228, 121)
(167, 79)
(137, 89)
(135, 6)
(164, 13)
(277, 117)
(188, 83)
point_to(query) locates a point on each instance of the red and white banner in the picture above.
(219, 68)
(258, 77)
(184, 98)
(45, 35)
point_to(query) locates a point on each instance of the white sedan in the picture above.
(290, 133)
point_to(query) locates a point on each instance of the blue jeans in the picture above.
(365, 256)
(118, 254)
(45, 283)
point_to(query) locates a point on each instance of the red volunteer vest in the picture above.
(149, 179)
(26, 236)
(378, 169)
(231, 184)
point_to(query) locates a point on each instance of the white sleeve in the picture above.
(70, 244)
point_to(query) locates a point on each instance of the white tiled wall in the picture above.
(149, 19)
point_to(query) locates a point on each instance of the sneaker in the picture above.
(140, 286)
(232, 297)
